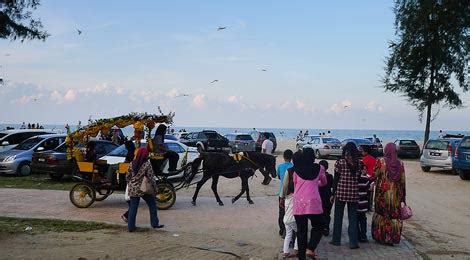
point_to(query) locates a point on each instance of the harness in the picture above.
(239, 157)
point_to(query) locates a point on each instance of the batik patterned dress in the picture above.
(386, 222)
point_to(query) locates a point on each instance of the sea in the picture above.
(287, 133)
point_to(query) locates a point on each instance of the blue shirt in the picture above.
(281, 172)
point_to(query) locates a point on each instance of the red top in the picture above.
(369, 162)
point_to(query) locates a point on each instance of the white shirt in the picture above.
(268, 146)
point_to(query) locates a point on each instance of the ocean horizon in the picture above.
(287, 133)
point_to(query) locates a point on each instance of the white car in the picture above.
(324, 147)
(119, 154)
(307, 139)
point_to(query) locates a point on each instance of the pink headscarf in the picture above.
(393, 164)
(141, 157)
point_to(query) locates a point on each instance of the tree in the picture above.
(16, 20)
(430, 55)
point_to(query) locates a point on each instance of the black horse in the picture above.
(221, 164)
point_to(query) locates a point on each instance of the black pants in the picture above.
(173, 158)
(327, 217)
(280, 220)
(362, 225)
(316, 232)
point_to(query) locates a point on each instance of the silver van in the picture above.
(438, 153)
(11, 138)
(240, 142)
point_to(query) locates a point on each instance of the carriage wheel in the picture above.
(82, 195)
(165, 195)
(105, 192)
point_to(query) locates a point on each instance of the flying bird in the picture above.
(346, 106)
(214, 81)
(264, 70)
(79, 32)
(221, 28)
(7, 54)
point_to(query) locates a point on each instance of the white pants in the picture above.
(290, 228)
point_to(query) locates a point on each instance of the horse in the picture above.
(221, 164)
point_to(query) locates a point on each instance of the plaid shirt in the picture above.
(347, 187)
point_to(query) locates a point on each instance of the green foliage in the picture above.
(16, 21)
(431, 53)
(41, 182)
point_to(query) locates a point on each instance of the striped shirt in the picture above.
(363, 187)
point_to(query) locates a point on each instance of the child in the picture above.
(362, 206)
(289, 220)
(281, 170)
(325, 194)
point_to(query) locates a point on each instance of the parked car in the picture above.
(239, 142)
(171, 137)
(55, 163)
(438, 153)
(11, 138)
(407, 148)
(325, 146)
(181, 135)
(378, 144)
(259, 138)
(18, 160)
(461, 160)
(307, 139)
(119, 154)
(360, 142)
(206, 140)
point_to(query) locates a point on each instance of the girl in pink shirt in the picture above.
(308, 176)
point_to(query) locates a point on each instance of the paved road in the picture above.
(252, 227)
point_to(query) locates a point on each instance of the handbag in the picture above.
(405, 211)
(146, 186)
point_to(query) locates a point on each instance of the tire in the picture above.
(82, 195)
(454, 172)
(56, 176)
(24, 169)
(425, 168)
(317, 154)
(464, 175)
(165, 196)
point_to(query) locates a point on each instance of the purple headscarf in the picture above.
(393, 164)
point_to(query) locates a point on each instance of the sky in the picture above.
(278, 64)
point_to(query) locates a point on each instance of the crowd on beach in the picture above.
(31, 126)
(308, 192)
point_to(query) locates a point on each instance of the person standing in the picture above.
(138, 169)
(267, 145)
(281, 171)
(369, 163)
(326, 194)
(345, 192)
(289, 219)
(308, 176)
(23, 126)
(362, 206)
(390, 192)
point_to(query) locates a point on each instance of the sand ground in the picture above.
(440, 226)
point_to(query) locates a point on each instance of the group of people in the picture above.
(308, 193)
(301, 135)
(31, 126)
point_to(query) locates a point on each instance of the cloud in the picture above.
(199, 100)
(372, 106)
(340, 107)
(70, 95)
(232, 99)
(173, 93)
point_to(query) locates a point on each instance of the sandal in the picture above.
(311, 254)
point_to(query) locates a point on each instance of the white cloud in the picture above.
(346, 103)
(233, 99)
(373, 106)
(173, 93)
(199, 100)
(70, 95)
(340, 107)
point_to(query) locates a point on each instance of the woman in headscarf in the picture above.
(138, 169)
(345, 192)
(159, 147)
(307, 177)
(390, 192)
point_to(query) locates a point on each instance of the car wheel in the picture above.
(464, 175)
(317, 154)
(454, 172)
(425, 168)
(24, 169)
(56, 176)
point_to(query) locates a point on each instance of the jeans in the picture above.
(151, 203)
(338, 223)
(316, 232)
(362, 225)
(280, 219)
(290, 228)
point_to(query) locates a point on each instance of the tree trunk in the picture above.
(428, 123)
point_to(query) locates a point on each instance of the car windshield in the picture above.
(363, 141)
(330, 141)
(244, 137)
(211, 135)
(465, 144)
(29, 143)
(436, 145)
(121, 151)
(2, 135)
(408, 142)
(271, 135)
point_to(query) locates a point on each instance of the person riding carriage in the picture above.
(157, 146)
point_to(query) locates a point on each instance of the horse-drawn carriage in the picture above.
(91, 174)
